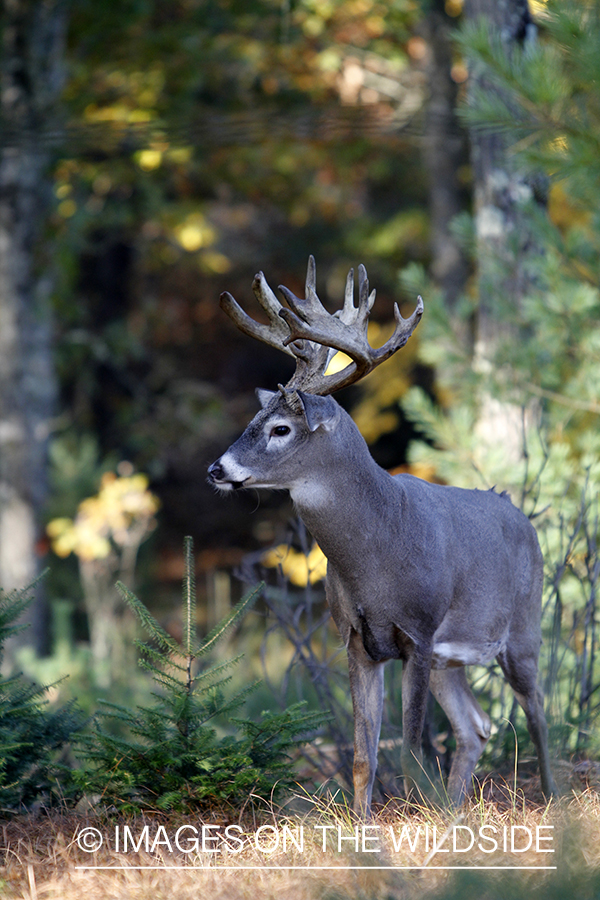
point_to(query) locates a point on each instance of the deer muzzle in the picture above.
(218, 476)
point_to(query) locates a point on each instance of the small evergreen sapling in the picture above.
(33, 738)
(172, 756)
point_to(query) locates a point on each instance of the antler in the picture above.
(312, 335)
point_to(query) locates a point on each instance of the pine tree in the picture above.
(172, 755)
(33, 738)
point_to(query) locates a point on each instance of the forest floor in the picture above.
(506, 843)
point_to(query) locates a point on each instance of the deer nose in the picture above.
(216, 471)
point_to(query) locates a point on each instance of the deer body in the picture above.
(436, 576)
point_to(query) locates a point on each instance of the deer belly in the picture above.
(383, 642)
(447, 654)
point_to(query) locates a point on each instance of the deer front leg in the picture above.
(366, 689)
(415, 686)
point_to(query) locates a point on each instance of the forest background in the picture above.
(156, 154)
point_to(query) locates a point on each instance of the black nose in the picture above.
(216, 471)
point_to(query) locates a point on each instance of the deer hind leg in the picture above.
(521, 674)
(470, 725)
(366, 689)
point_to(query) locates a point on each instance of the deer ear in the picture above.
(319, 412)
(264, 397)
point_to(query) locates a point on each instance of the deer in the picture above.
(436, 576)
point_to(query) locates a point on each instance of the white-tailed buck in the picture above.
(439, 577)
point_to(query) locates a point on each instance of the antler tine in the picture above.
(403, 330)
(365, 299)
(310, 285)
(310, 308)
(273, 334)
(265, 296)
(346, 314)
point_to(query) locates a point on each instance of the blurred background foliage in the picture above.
(212, 140)
(198, 141)
(207, 142)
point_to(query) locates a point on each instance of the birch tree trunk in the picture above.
(502, 192)
(504, 238)
(30, 81)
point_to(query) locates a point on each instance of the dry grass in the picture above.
(42, 858)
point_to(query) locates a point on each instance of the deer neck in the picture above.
(345, 501)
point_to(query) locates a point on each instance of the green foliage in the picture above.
(527, 419)
(551, 121)
(34, 738)
(173, 754)
(547, 101)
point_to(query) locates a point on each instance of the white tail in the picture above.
(436, 576)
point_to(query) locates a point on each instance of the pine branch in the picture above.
(230, 620)
(31, 733)
(147, 620)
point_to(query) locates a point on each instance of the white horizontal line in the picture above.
(314, 868)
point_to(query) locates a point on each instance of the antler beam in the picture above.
(274, 334)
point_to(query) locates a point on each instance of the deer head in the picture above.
(274, 450)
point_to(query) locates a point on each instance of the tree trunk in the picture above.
(502, 193)
(30, 82)
(504, 238)
(444, 153)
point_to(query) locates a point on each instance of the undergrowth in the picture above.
(34, 738)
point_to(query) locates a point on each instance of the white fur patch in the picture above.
(232, 469)
(222, 487)
(310, 495)
(451, 653)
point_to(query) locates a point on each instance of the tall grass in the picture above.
(42, 857)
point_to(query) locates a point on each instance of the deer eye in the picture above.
(280, 431)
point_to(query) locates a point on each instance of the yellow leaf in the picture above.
(299, 568)
(57, 526)
(149, 159)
